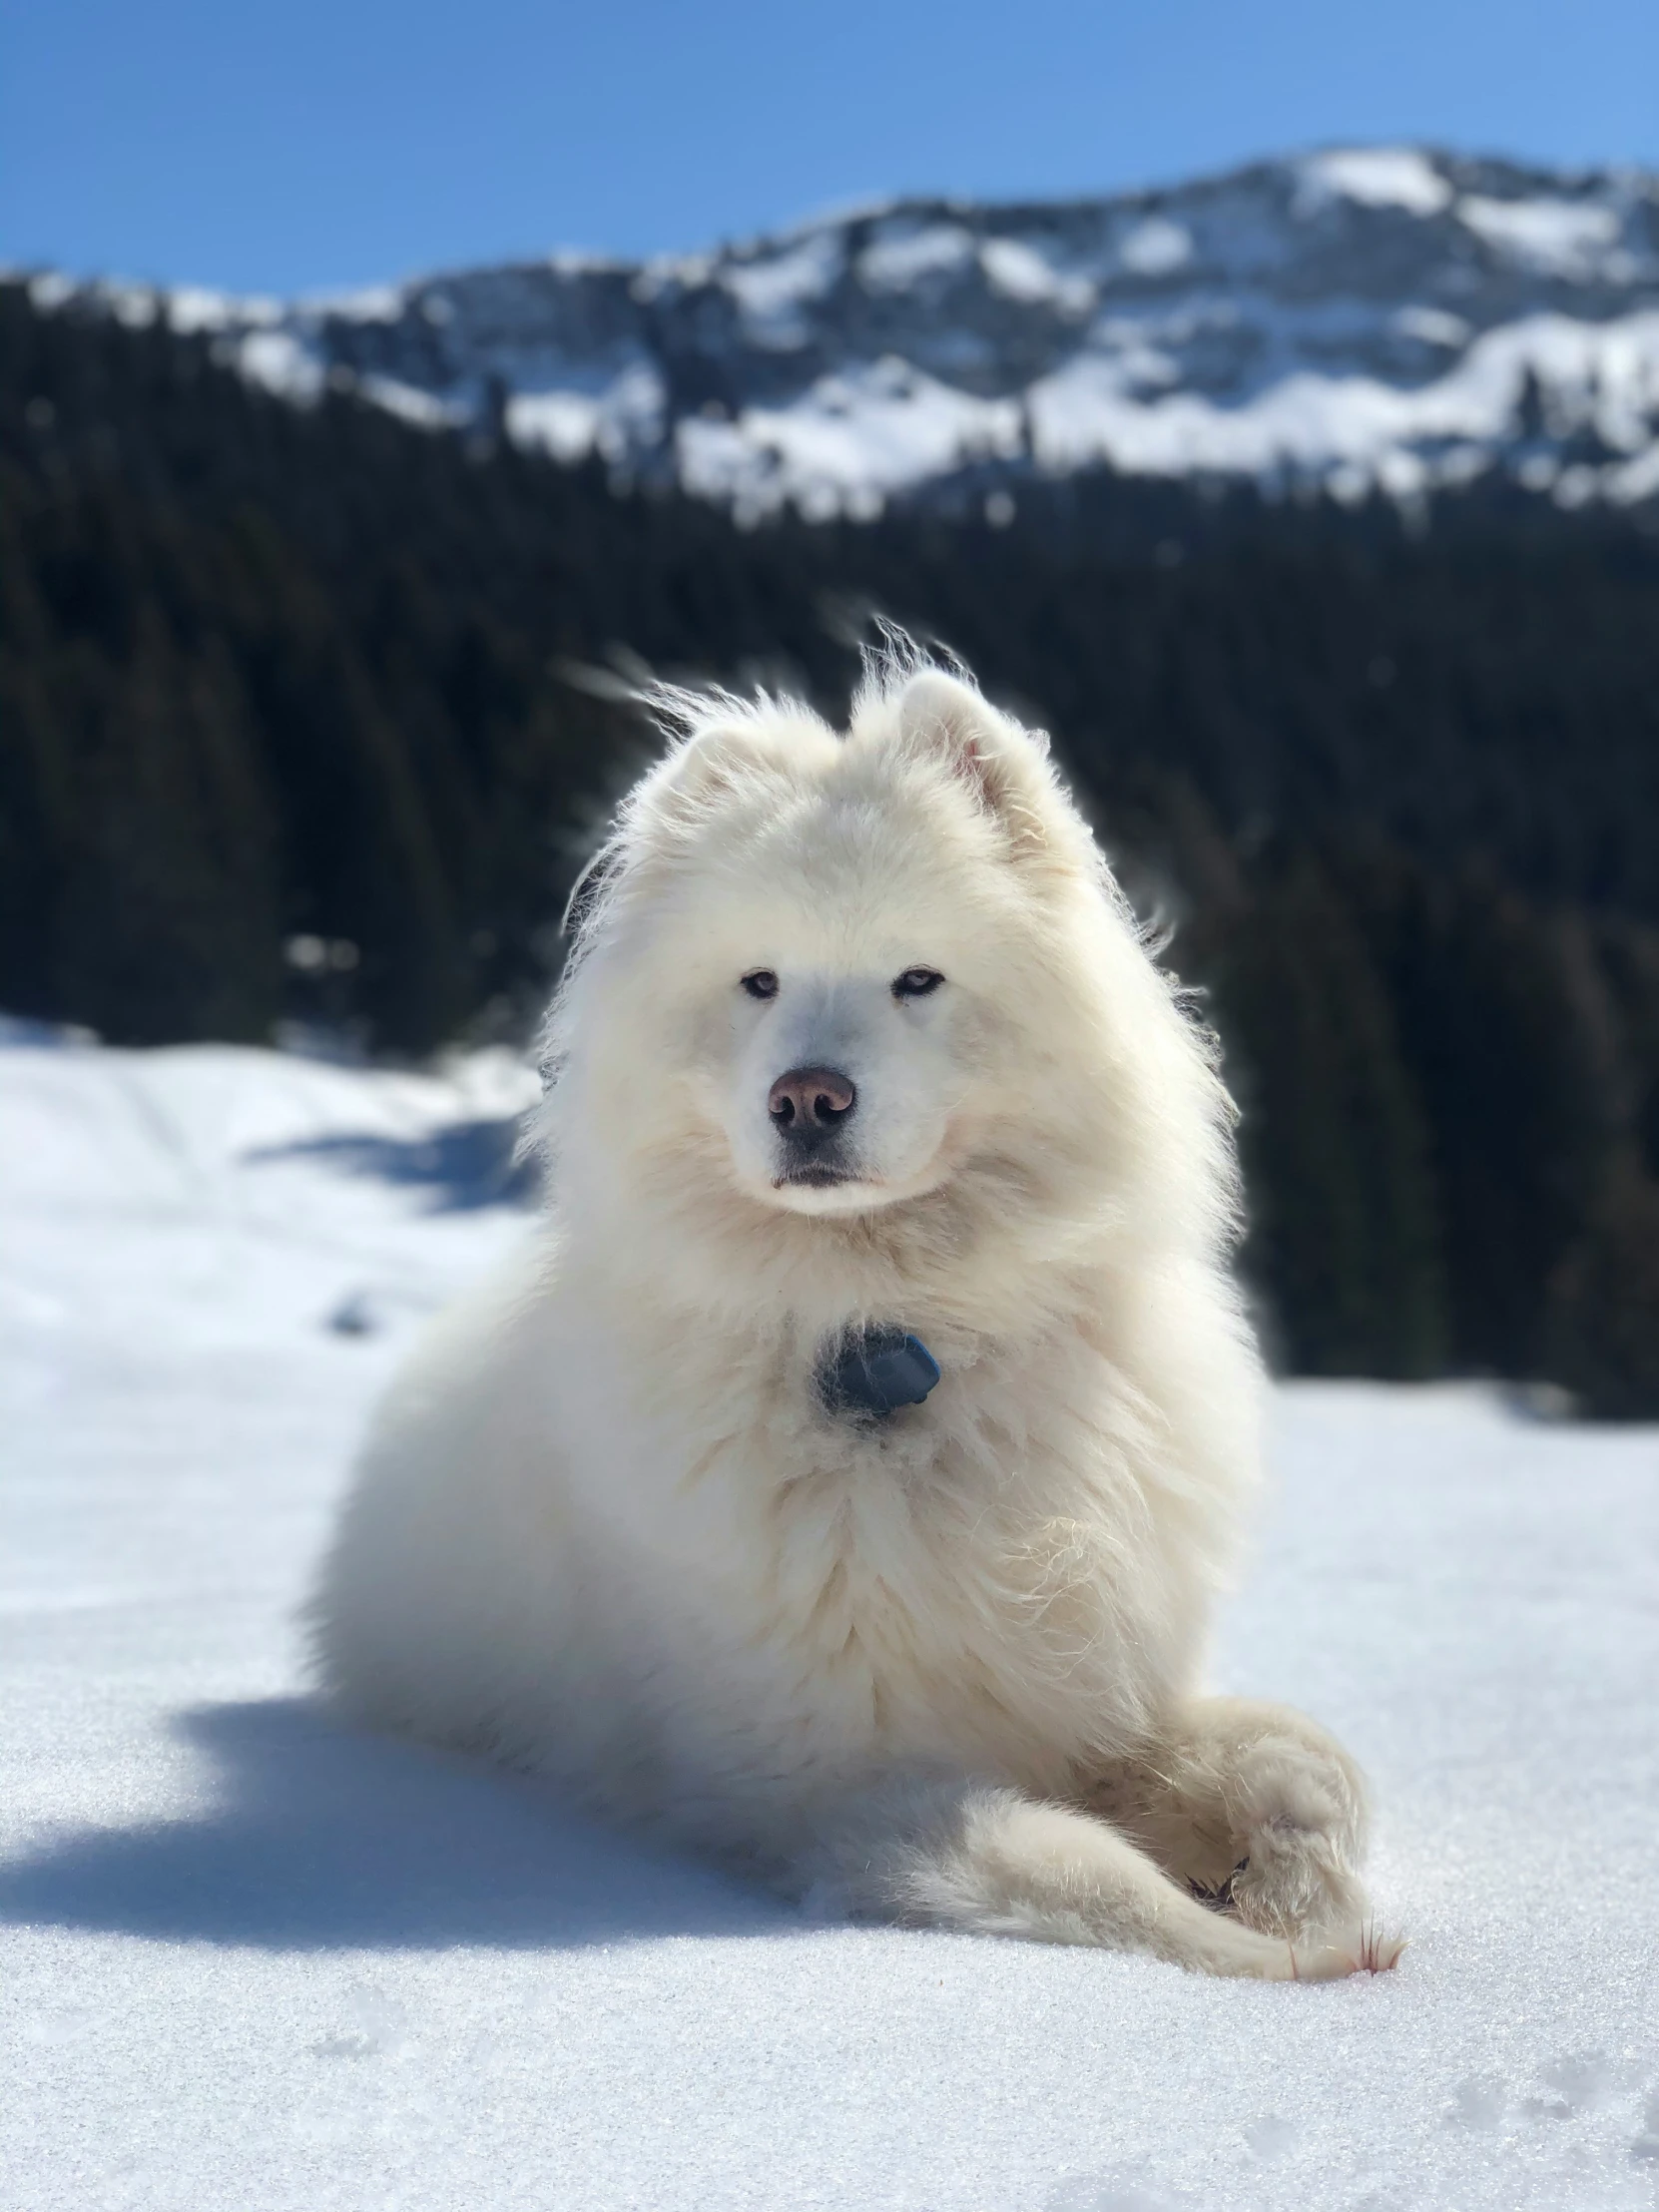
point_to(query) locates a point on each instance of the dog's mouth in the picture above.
(825, 1187)
(817, 1188)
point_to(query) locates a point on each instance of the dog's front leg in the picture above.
(1253, 1808)
(984, 1858)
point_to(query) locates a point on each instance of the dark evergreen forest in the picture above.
(292, 726)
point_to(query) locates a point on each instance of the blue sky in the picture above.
(330, 141)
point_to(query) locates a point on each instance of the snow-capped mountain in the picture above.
(1384, 316)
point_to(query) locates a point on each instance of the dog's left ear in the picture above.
(1005, 767)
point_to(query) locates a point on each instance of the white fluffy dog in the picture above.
(862, 1078)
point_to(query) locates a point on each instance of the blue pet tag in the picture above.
(877, 1372)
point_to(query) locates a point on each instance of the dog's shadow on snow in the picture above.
(322, 1839)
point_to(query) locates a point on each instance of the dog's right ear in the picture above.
(705, 768)
(711, 762)
(725, 748)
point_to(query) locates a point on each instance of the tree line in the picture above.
(293, 725)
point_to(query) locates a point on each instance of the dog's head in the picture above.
(835, 974)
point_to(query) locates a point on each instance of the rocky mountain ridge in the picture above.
(1396, 319)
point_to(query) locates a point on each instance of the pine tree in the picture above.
(1344, 1229)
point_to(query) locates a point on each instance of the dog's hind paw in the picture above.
(1338, 1954)
(1293, 1880)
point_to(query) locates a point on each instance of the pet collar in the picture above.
(877, 1371)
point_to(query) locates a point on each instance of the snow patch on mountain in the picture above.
(1556, 237)
(1376, 176)
(1154, 247)
(773, 290)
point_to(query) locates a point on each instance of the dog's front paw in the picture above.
(1295, 1880)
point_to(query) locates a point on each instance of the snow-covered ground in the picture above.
(254, 1961)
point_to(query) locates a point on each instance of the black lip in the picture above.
(814, 1179)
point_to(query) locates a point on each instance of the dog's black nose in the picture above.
(808, 1105)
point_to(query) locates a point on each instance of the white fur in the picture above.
(943, 1667)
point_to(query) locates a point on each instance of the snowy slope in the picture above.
(1391, 317)
(254, 1961)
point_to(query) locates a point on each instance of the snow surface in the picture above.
(255, 1960)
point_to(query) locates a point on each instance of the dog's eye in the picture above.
(760, 983)
(916, 982)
